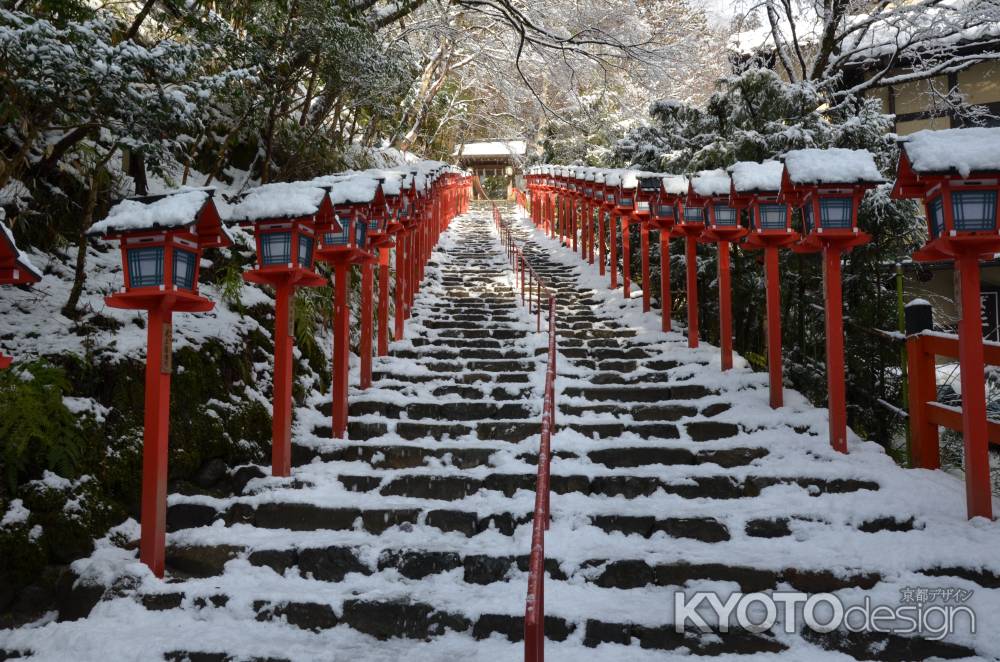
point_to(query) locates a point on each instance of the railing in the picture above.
(534, 606)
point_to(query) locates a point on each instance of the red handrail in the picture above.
(534, 606)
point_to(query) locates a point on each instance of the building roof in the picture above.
(507, 148)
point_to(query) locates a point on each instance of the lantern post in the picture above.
(828, 185)
(343, 242)
(15, 269)
(710, 189)
(956, 174)
(376, 215)
(396, 200)
(647, 190)
(756, 186)
(587, 181)
(283, 220)
(690, 225)
(625, 206)
(161, 239)
(612, 180)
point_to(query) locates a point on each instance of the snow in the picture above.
(709, 183)
(16, 514)
(752, 177)
(676, 184)
(960, 150)
(172, 210)
(918, 302)
(495, 148)
(832, 166)
(20, 256)
(275, 201)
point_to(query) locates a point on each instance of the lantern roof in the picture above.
(711, 183)
(676, 184)
(832, 166)
(278, 200)
(12, 257)
(957, 151)
(186, 208)
(630, 178)
(753, 177)
(613, 177)
(392, 182)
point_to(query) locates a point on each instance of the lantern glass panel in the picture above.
(360, 233)
(642, 205)
(974, 210)
(338, 237)
(625, 202)
(276, 248)
(610, 197)
(836, 212)
(665, 211)
(935, 211)
(305, 251)
(184, 267)
(145, 266)
(773, 217)
(694, 214)
(725, 215)
(807, 217)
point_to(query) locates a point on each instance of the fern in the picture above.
(37, 431)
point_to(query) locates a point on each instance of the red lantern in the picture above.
(15, 269)
(956, 173)
(162, 239)
(625, 207)
(828, 185)
(756, 186)
(283, 218)
(710, 189)
(663, 215)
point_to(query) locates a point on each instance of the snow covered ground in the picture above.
(408, 539)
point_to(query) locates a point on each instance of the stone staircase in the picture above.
(411, 537)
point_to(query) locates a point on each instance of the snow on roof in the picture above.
(279, 200)
(169, 211)
(496, 148)
(832, 166)
(359, 189)
(675, 184)
(954, 150)
(707, 183)
(750, 176)
(612, 177)
(630, 178)
(19, 255)
(392, 179)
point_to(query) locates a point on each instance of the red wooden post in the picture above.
(691, 259)
(644, 247)
(156, 431)
(400, 287)
(614, 250)
(626, 258)
(666, 303)
(601, 239)
(281, 419)
(365, 345)
(725, 307)
(925, 451)
(383, 302)
(774, 361)
(970, 357)
(833, 303)
(341, 348)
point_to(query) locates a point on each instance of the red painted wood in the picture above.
(341, 349)
(365, 344)
(774, 360)
(835, 369)
(666, 299)
(156, 430)
(725, 307)
(691, 268)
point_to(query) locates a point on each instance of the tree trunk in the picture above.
(70, 310)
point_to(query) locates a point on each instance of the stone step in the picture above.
(639, 393)
(457, 487)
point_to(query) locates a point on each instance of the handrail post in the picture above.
(924, 435)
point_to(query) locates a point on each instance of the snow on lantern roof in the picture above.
(173, 210)
(709, 183)
(392, 182)
(495, 148)
(832, 166)
(753, 177)
(676, 184)
(962, 151)
(613, 177)
(630, 178)
(278, 200)
(10, 252)
(356, 190)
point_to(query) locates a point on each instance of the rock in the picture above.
(278, 560)
(243, 475)
(311, 616)
(330, 564)
(400, 618)
(768, 528)
(485, 569)
(599, 632)
(211, 473)
(625, 574)
(454, 520)
(417, 564)
(190, 516)
(161, 601)
(711, 430)
(75, 599)
(201, 561)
